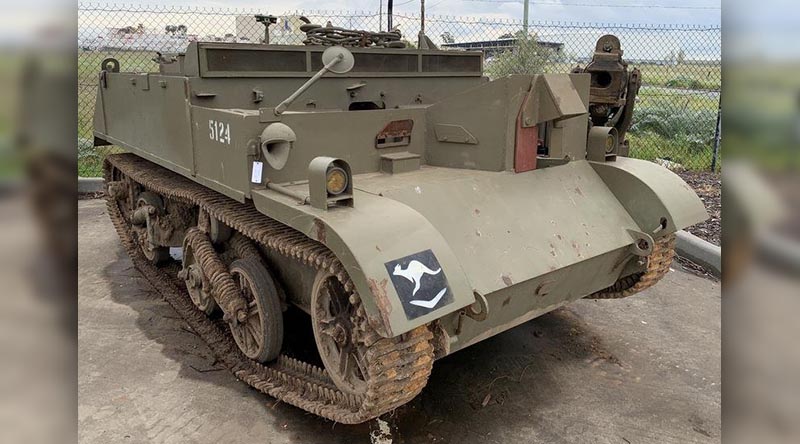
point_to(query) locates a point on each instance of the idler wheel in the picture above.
(259, 332)
(332, 320)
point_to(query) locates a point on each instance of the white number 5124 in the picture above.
(219, 131)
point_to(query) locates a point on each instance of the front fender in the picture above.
(373, 237)
(650, 192)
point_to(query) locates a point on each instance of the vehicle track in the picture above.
(397, 368)
(658, 263)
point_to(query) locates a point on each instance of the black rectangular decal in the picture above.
(420, 283)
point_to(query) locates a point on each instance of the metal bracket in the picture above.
(258, 95)
(642, 243)
(482, 303)
(144, 83)
(267, 115)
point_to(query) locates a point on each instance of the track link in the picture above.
(658, 263)
(397, 368)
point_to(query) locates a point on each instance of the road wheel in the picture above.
(332, 320)
(260, 335)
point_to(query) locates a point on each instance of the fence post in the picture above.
(717, 136)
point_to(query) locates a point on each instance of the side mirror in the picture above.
(336, 59)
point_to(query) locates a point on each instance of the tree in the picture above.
(526, 57)
(447, 37)
(681, 57)
(182, 29)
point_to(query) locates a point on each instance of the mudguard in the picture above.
(387, 270)
(408, 249)
(656, 198)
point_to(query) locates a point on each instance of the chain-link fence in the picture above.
(676, 111)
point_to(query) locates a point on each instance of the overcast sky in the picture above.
(645, 11)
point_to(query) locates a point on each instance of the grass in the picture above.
(705, 76)
(676, 126)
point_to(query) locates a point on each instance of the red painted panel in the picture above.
(526, 144)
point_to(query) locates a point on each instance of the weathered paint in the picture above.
(528, 242)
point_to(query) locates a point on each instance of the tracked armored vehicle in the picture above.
(404, 204)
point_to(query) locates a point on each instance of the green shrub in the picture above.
(680, 135)
(695, 125)
(684, 82)
(527, 57)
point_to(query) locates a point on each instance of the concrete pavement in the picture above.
(637, 370)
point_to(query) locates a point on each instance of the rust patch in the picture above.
(378, 248)
(578, 190)
(378, 289)
(559, 237)
(395, 133)
(508, 299)
(319, 230)
(507, 280)
(477, 212)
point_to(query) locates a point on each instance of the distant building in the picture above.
(493, 47)
(136, 38)
(285, 32)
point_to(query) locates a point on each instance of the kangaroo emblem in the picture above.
(429, 304)
(414, 273)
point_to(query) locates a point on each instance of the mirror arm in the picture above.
(288, 101)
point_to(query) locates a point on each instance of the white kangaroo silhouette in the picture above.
(414, 273)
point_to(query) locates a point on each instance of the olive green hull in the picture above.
(524, 243)
(510, 245)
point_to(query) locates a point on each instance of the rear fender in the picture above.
(657, 199)
(377, 241)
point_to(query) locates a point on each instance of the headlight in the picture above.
(336, 180)
(611, 142)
